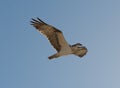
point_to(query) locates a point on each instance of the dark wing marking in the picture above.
(49, 31)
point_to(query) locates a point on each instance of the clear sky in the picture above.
(24, 52)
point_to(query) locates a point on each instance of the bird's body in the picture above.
(57, 40)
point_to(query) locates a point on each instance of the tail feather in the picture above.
(53, 56)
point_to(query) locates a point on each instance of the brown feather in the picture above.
(49, 31)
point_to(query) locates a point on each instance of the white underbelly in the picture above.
(65, 51)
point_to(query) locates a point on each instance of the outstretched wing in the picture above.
(81, 51)
(54, 35)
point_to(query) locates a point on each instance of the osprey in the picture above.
(57, 40)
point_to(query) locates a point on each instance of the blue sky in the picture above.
(24, 52)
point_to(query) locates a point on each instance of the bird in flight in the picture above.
(57, 40)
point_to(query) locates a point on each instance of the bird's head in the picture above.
(79, 50)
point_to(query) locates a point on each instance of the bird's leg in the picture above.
(53, 56)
